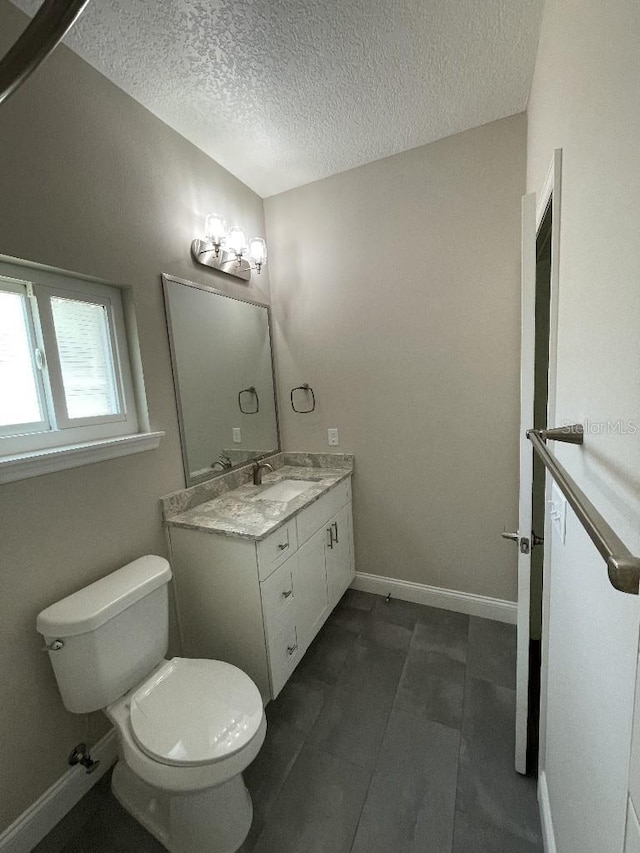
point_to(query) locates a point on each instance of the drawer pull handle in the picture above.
(283, 547)
(292, 649)
(330, 532)
(335, 526)
(287, 593)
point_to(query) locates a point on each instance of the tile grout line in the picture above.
(332, 688)
(275, 800)
(464, 708)
(303, 743)
(375, 763)
(391, 709)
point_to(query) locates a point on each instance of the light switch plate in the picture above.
(237, 436)
(332, 437)
(558, 512)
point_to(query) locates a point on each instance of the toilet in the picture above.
(187, 728)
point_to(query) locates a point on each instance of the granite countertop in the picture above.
(238, 513)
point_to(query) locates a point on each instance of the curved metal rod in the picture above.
(622, 565)
(49, 25)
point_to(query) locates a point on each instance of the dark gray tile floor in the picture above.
(394, 735)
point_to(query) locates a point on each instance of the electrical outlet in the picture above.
(237, 436)
(332, 436)
(558, 511)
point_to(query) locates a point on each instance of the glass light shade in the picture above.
(236, 241)
(214, 229)
(258, 251)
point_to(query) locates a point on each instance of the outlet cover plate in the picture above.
(558, 512)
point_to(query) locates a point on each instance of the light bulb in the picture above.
(258, 252)
(236, 241)
(214, 229)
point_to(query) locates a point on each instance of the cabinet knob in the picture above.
(287, 593)
(292, 649)
(284, 546)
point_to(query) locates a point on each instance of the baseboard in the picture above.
(40, 818)
(434, 596)
(548, 836)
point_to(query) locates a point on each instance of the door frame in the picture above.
(550, 194)
(528, 292)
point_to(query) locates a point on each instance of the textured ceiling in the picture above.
(283, 92)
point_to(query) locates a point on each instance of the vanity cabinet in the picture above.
(259, 604)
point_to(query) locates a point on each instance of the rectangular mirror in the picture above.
(223, 376)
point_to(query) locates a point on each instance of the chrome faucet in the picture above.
(257, 471)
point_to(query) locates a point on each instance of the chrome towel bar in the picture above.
(623, 567)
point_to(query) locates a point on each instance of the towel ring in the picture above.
(253, 391)
(309, 390)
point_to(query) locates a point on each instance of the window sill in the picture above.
(21, 466)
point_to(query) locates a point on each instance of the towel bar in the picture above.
(622, 565)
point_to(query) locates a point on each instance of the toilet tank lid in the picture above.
(92, 606)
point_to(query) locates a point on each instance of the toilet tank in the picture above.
(112, 634)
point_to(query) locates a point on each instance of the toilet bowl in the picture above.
(186, 728)
(187, 733)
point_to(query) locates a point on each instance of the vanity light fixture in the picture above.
(229, 250)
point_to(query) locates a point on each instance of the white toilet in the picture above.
(187, 728)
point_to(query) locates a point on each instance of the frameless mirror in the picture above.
(223, 376)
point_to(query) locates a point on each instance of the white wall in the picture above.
(585, 100)
(396, 294)
(90, 181)
(632, 844)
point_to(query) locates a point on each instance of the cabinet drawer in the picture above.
(275, 549)
(284, 654)
(313, 517)
(277, 596)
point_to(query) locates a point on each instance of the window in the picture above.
(21, 398)
(66, 381)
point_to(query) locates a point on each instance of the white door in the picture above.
(527, 380)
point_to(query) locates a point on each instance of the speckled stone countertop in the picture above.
(239, 512)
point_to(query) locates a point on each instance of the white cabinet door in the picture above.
(310, 587)
(339, 562)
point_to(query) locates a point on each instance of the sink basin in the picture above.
(285, 490)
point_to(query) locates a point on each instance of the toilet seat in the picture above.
(175, 776)
(194, 712)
